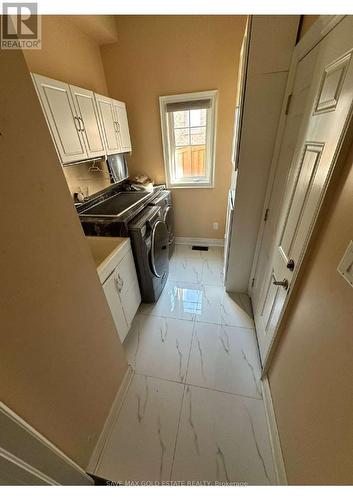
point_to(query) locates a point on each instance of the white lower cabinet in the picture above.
(122, 291)
(110, 288)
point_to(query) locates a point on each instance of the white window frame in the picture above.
(168, 148)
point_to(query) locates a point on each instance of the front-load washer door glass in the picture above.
(159, 249)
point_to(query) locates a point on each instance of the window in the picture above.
(188, 130)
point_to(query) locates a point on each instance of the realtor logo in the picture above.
(20, 26)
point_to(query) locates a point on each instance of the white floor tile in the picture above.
(186, 269)
(178, 300)
(197, 266)
(212, 272)
(142, 442)
(185, 265)
(222, 434)
(159, 347)
(219, 307)
(225, 358)
(222, 438)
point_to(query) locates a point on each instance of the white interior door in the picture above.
(106, 113)
(293, 120)
(123, 126)
(87, 112)
(325, 119)
(59, 110)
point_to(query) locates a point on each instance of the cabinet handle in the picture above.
(117, 127)
(83, 125)
(77, 122)
(119, 283)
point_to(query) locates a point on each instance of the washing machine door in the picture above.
(169, 222)
(159, 249)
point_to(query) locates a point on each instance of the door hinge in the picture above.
(252, 282)
(266, 214)
(289, 99)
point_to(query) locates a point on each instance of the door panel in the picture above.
(106, 113)
(299, 96)
(131, 301)
(123, 126)
(59, 110)
(111, 291)
(87, 110)
(302, 198)
(326, 116)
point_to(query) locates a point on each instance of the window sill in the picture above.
(196, 185)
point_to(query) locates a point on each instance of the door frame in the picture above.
(30, 451)
(316, 33)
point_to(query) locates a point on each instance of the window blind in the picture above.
(186, 105)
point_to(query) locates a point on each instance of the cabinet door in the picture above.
(87, 111)
(59, 110)
(123, 126)
(128, 287)
(108, 122)
(110, 288)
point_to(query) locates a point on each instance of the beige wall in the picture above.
(161, 55)
(68, 54)
(311, 377)
(61, 362)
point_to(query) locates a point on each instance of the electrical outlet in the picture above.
(215, 226)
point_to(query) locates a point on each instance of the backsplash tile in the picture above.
(81, 178)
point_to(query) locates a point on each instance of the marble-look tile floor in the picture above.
(194, 409)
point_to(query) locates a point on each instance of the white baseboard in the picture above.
(200, 241)
(275, 442)
(110, 421)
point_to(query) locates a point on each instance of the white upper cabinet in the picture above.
(59, 109)
(122, 126)
(83, 124)
(87, 112)
(109, 125)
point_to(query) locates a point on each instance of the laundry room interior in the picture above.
(178, 259)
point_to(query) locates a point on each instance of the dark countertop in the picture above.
(112, 225)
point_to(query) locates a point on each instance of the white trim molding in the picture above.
(110, 421)
(32, 452)
(168, 138)
(207, 242)
(16, 472)
(280, 470)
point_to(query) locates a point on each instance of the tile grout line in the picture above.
(227, 325)
(194, 320)
(237, 395)
(182, 400)
(177, 432)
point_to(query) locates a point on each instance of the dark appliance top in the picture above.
(116, 205)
